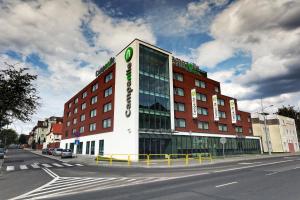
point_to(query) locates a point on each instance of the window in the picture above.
(87, 149)
(108, 92)
(222, 114)
(222, 127)
(83, 106)
(179, 91)
(200, 84)
(108, 77)
(178, 77)
(68, 124)
(106, 123)
(238, 117)
(217, 89)
(93, 113)
(201, 97)
(203, 125)
(76, 100)
(75, 110)
(81, 130)
(93, 127)
(202, 111)
(94, 100)
(82, 117)
(238, 129)
(107, 107)
(66, 134)
(249, 119)
(180, 123)
(84, 94)
(101, 147)
(92, 147)
(69, 114)
(95, 87)
(74, 131)
(74, 121)
(179, 107)
(221, 102)
(70, 104)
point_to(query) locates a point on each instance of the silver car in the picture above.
(2, 152)
(57, 151)
(67, 153)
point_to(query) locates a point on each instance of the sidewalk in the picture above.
(163, 163)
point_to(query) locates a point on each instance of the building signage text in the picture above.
(106, 66)
(232, 111)
(215, 107)
(194, 103)
(128, 56)
(191, 67)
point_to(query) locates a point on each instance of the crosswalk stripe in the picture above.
(67, 164)
(57, 165)
(35, 166)
(23, 167)
(10, 168)
(47, 165)
(79, 165)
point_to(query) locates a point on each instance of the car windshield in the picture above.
(59, 149)
(67, 150)
(1, 150)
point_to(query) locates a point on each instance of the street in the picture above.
(273, 178)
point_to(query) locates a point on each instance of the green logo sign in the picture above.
(128, 54)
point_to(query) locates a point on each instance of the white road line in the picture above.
(47, 165)
(51, 173)
(217, 186)
(271, 173)
(10, 168)
(35, 166)
(67, 164)
(23, 167)
(80, 165)
(245, 163)
(57, 165)
(297, 168)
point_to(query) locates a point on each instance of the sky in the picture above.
(251, 47)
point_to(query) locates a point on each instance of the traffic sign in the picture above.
(77, 142)
(223, 140)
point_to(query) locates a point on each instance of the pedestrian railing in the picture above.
(169, 159)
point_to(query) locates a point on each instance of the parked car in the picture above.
(50, 151)
(45, 151)
(2, 152)
(57, 152)
(66, 153)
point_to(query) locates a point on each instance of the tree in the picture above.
(290, 111)
(22, 139)
(8, 136)
(18, 99)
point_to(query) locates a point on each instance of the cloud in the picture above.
(72, 38)
(271, 35)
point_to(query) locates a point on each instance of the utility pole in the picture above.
(264, 114)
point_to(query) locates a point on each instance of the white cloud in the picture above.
(53, 30)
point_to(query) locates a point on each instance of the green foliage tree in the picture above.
(290, 111)
(8, 136)
(22, 139)
(18, 99)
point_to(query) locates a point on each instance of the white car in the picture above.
(57, 152)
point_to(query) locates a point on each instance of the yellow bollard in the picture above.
(128, 159)
(186, 159)
(169, 160)
(200, 158)
(97, 160)
(148, 159)
(110, 160)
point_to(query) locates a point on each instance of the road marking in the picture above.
(217, 186)
(80, 165)
(51, 173)
(23, 167)
(272, 173)
(245, 163)
(57, 165)
(47, 165)
(35, 166)
(10, 168)
(297, 168)
(67, 164)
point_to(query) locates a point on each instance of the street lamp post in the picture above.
(264, 114)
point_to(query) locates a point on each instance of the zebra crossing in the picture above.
(61, 186)
(10, 168)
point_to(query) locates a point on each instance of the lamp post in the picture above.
(264, 114)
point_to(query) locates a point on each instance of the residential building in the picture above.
(54, 136)
(147, 101)
(282, 132)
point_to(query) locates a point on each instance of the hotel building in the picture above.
(144, 101)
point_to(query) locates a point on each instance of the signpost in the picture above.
(76, 142)
(223, 141)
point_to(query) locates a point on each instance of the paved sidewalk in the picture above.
(163, 163)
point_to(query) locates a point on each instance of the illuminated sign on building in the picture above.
(128, 55)
(194, 103)
(191, 67)
(232, 111)
(106, 66)
(215, 107)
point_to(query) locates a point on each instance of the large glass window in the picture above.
(154, 91)
(179, 107)
(101, 147)
(92, 147)
(87, 148)
(179, 91)
(180, 123)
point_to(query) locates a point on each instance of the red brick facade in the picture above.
(99, 105)
(187, 84)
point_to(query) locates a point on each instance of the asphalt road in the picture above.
(271, 179)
